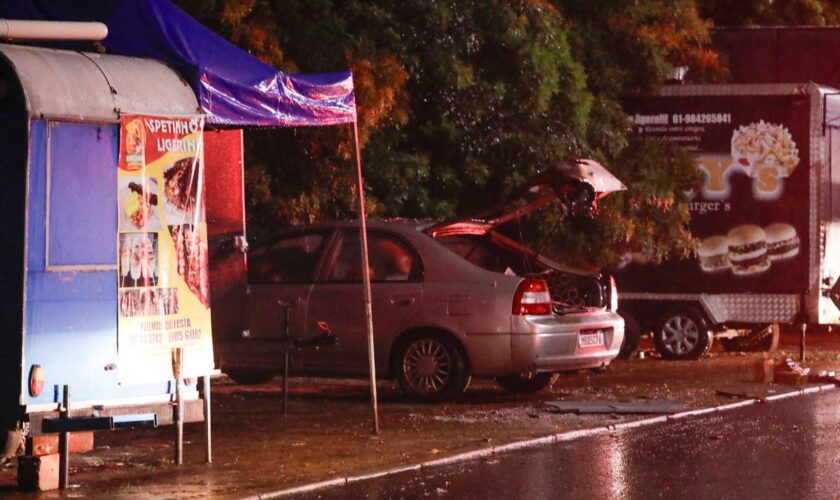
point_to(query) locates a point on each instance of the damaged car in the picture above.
(449, 301)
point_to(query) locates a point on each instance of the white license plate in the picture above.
(591, 338)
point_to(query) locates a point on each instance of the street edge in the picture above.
(541, 441)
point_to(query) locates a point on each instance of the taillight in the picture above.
(613, 295)
(532, 297)
(36, 380)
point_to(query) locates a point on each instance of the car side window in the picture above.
(291, 259)
(390, 259)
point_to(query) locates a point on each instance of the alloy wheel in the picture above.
(427, 366)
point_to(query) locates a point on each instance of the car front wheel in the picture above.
(526, 383)
(682, 334)
(431, 368)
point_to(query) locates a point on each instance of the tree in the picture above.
(771, 12)
(461, 101)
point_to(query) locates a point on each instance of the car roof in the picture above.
(446, 262)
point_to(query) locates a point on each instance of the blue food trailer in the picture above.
(60, 131)
(62, 114)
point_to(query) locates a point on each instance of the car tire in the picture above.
(247, 377)
(526, 383)
(430, 368)
(632, 336)
(682, 334)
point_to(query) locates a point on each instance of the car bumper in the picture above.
(553, 343)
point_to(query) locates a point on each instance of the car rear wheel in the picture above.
(526, 383)
(431, 368)
(682, 334)
(632, 336)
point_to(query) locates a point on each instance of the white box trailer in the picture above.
(767, 216)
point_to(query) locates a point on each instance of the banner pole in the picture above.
(366, 279)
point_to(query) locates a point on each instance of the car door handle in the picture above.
(403, 300)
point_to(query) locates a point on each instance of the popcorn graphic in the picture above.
(764, 144)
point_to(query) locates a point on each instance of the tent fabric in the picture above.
(233, 87)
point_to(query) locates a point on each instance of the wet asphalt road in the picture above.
(784, 449)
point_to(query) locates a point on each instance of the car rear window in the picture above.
(483, 253)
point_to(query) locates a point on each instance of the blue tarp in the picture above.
(233, 87)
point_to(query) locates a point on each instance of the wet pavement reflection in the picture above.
(783, 449)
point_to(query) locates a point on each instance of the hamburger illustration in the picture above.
(748, 250)
(782, 241)
(714, 254)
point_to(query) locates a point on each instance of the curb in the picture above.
(542, 441)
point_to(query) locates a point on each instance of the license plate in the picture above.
(591, 338)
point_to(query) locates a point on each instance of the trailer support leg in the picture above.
(803, 327)
(179, 407)
(208, 452)
(286, 364)
(64, 443)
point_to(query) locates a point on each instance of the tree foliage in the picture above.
(461, 101)
(771, 12)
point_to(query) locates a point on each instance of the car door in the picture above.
(280, 278)
(337, 300)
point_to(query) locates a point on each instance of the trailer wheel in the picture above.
(632, 336)
(761, 339)
(682, 334)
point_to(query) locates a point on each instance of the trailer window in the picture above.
(81, 197)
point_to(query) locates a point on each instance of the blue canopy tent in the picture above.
(233, 88)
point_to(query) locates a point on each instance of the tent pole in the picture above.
(366, 278)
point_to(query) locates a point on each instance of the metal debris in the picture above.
(636, 406)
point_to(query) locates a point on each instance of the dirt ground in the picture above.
(328, 432)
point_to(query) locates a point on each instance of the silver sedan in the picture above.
(449, 302)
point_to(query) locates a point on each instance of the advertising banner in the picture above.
(162, 249)
(750, 212)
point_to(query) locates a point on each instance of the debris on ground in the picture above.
(759, 393)
(824, 377)
(637, 406)
(789, 372)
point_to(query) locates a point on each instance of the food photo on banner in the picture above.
(162, 249)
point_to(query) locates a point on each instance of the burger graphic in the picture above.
(782, 241)
(748, 250)
(714, 254)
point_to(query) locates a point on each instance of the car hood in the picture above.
(578, 184)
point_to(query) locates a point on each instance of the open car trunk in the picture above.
(578, 185)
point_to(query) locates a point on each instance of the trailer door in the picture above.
(831, 260)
